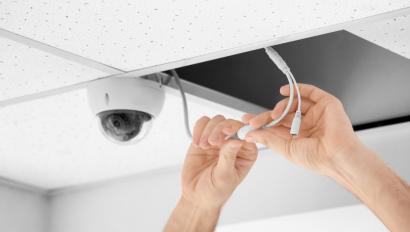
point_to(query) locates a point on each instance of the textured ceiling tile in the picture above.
(25, 70)
(55, 141)
(137, 34)
(393, 34)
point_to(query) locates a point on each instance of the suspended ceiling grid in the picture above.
(137, 34)
(53, 142)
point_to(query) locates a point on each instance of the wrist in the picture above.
(362, 172)
(188, 216)
(341, 163)
(205, 209)
(375, 184)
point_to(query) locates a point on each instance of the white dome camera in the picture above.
(125, 106)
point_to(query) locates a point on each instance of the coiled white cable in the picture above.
(281, 64)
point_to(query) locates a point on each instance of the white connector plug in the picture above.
(241, 134)
(297, 120)
(277, 59)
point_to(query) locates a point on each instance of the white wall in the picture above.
(22, 210)
(274, 187)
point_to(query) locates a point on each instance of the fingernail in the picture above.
(273, 116)
(282, 89)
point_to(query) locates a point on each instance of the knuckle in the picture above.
(281, 102)
(332, 100)
(203, 118)
(306, 87)
(338, 101)
(218, 117)
(200, 121)
(229, 156)
(235, 123)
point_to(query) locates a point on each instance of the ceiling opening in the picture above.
(371, 81)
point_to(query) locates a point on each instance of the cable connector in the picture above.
(297, 120)
(277, 59)
(241, 134)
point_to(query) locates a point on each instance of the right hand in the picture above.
(325, 131)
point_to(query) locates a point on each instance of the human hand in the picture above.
(214, 167)
(325, 130)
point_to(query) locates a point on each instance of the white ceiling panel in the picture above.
(393, 34)
(55, 142)
(138, 34)
(25, 70)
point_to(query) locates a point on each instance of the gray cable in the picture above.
(184, 102)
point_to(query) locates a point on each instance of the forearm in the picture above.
(187, 217)
(376, 185)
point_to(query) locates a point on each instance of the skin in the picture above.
(212, 170)
(326, 145)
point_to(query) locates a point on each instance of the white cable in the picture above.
(281, 64)
(297, 119)
(277, 59)
(290, 102)
(184, 103)
(297, 91)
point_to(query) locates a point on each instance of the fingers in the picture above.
(288, 119)
(247, 117)
(274, 138)
(281, 105)
(203, 141)
(222, 130)
(198, 128)
(212, 132)
(228, 154)
(260, 120)
(236, 158)
(266, 117)
(310, 95)
(310, 92)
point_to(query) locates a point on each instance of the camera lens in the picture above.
(124, 125)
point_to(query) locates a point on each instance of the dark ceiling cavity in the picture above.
(372, 82)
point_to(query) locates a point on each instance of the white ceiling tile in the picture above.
(393, 34)
(25, 70)
(138, 34)
(55, 142)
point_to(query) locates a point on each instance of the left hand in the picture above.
(214, 167)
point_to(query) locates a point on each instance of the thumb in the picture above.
(227, 155)
(268, 138)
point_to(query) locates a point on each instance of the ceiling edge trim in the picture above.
(262, 44)
(197, 59)
(113, 72)
(109, 70)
